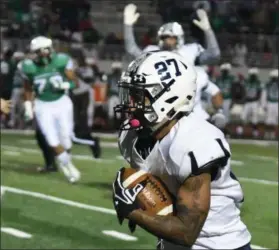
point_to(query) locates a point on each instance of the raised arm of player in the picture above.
(212, 53)
(130, 17)
(192, 206)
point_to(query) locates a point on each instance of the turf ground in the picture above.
(66, 224)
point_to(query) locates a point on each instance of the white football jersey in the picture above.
(190, 145)
(190, 51)
(203, 85)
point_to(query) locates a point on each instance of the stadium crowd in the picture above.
(247, 31)
(97, 94)
(244, 97)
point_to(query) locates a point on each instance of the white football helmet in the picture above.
(273, 73)
(172, 29)
(156, 87)
(253, 71)
(226, 66)
(40, 43)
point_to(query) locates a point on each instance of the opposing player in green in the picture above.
(49, 76)
(269, 100)
(225, 82)
(253, 89)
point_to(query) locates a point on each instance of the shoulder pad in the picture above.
(150, 48)
(62, 56)
(28, 66)
(205, 147)
(61, 59)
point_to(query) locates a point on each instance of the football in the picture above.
(154, 198)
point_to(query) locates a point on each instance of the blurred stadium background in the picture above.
(92, 32)
(247, 33)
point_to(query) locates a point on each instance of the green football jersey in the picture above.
(44, 77)
(272, 91)
(252, 89)
(225, 84)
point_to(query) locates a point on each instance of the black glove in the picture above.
(132, 226)
(124, 199)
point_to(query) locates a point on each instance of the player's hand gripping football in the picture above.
(130, 14)
(203, 22)
(124, 199)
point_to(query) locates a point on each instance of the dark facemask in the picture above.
(225, 73)
(166, 46)
(116, 72)
(274, 79)
(42, 60)
(253, 77)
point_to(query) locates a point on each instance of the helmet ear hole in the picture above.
(189, 97)
(171, 100)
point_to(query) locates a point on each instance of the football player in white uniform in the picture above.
(191, 156)
(204, 85)
(171, 37)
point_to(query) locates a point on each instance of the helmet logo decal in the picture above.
(138, 79)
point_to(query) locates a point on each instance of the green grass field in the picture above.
(56, 225)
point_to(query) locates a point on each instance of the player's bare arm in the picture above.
(217, 100)
(28, 98)
(71, 75)
(216, 95)
(28, 91)
(192, 206)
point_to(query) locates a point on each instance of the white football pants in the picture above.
(55, 120)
